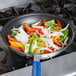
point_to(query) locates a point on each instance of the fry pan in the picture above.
(33, 18)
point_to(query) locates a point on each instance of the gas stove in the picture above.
(9, 61)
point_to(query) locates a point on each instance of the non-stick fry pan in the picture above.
(33, 18)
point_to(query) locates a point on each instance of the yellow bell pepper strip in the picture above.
(31, 46)
(42, 44)
(56, 37)
(35, 50)
(12, 43)
(16, 48)
(40, 24)
(17, 44)
(31, 38)
(59, 23)
(11, 39)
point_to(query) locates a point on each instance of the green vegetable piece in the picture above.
(42, 52)
(38, 43)
(56, 25)
(53, 26)
(65, 32)
(13, 34)
(34, 34)
(31, 24)
(51, 22)
(31, 45)
(13, 27)
(24, 28)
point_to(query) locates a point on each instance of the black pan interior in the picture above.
(31, 18)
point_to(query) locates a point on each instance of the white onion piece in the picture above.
(62, 43)
(46, 32)
(26, 48)
(56, 47)
(48, 41)
(22, 37)
(14, 31)
(36, 23)
(65, 27)
(65, 41)
(41, 27)
(57, 34)
(49, 32)
(35, 45)
(22, 31)
(43, 48)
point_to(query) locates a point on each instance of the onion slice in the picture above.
(65, 42)
(65, 27)
(43, 48)
(36, 23)
(57, 34)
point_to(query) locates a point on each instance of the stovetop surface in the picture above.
(10, 61)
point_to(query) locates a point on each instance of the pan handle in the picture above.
(36, 66)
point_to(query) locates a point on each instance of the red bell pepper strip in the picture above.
(46, 26)
(42, 22)
(16, 48)
(40, 31)
(27, 28)
(55, 28)
(59, 44)
(11, 39)
(59, 39)
(46, 52)
(51, 48)
(38, 35)
(59, 23)
(51, 36)
(33, 28)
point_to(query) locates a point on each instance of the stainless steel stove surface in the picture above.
(9, 61)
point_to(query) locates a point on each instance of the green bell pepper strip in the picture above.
(42, 52)
(31, 46)
(51, 22)
(53, 26)
(65, 32)
(31, 24)
(34, 34)
(13, 34)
